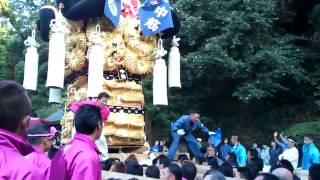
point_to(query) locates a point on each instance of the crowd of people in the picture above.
(24, 150)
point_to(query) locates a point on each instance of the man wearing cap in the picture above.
(183, 128)
(41, 137)
(291, 153)
(311, 153)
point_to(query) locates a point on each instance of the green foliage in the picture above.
(300, 129)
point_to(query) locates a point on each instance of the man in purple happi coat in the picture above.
(41, 137)
(15, 107)
(79, 158)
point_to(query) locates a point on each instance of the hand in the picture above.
(275, 134)
(211, 133)
(181, 132)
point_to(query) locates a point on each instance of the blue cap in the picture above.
(112, 10)
(155, 17)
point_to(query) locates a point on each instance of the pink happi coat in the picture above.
(39, 158)
(105, 111)
(77, 160)
(13, 164)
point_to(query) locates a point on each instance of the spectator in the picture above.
(224, 149)
(108, 163)
(274, 151)
(15, 107)
(182, 158)
(283, 143)
(163, 147)
(285, 164)
(255, 165)
(189, 170)
(118, 167)
(265, 155)
(153, 172)
(314, 172)
(311, 153)
(231, 159)
(131, 158)
(211, 153)
(239, 150)
(213, 162)
(245, 173)
(213, 175)
(266, 176)
(41, 137)
(162, 161)
(226, 170)
(133, 168)
(155, 148)
(252, 153)
(283, 174)
(79, 159)
(291, 153)
(172, 172)
(256, 147)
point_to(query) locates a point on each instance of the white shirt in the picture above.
(292, 155)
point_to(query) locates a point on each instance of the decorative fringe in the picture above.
(95, 69)
(55, 95)
(174, 64)
(31, 63)
(160, 77)
(56, 62)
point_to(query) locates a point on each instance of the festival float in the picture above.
(110, 46)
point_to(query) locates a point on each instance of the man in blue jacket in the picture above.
(239, 150)
(183, 128)
(311, 153)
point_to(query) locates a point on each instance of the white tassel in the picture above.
(160, 77)
(54, 95)
(56, 62)
(95, 70)
(30, 77)
(174, 64)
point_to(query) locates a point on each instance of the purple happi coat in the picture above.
(13, 164)
(77, 160)
(39, 159)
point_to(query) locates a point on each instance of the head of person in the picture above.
(131, 158)
(314, 172)
(252, 153)
(225, 141)
(88, 121)
(283, 174)
(285, 164)
(213, 162)
(189, 170)
(195, 117)
(273, 144)
(291, 142)
(162, 161)
(162, 142)
(211, 151)
(245, 173)
(255, 165)
(231, 157)
(213, 175)
(172, 172)
(103, 99)
(182, 158)
(226, 170)
(117, 167)
(156, 143)
(134, 168)
(42, 136)
(234, 140)
(153, 172)
(15, 108)
(308, 139)
(266, 176)
(255, 145)
(108, 163)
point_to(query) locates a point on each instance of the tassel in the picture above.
(174, 64)
(30, 77)
(55, 95)
(95, 70)
(56, 62)
(160, 77)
